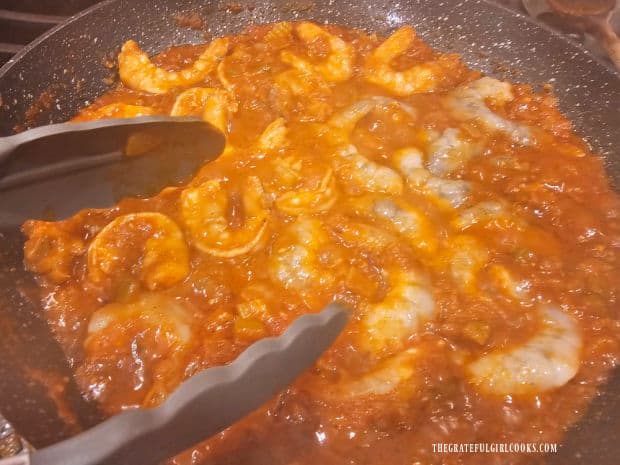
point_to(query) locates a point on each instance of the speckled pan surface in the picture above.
(67, 67)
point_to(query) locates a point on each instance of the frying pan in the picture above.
(64, 70)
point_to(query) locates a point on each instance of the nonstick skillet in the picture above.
(62, 71)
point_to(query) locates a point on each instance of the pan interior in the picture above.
(49, 81)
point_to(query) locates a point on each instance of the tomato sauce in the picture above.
(472, 232)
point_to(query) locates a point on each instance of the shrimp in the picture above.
(274, 137)
(425, 77)
(410, 162)
(448, 192)
(51, 250)
(346, 119)
(295, 261)
(304, 96)
(167, 316)
(204, 209)
(407, 304)
(138, 72)
(482, 213)
(316, 200)
(287, 171)
(511, 287)
(338, 66)
(547, 361)
(299, 84)
(399, 216)
(449, 152)
(138, 142)
(122, 329)
(382, 380)
(371, 238)
(466, 257)
(358, 173)
(280, 35)
(115, 110)
(151, 240)
(211, 104)
(445, 192)
(221, 75)
(468, 102)
(355, 171)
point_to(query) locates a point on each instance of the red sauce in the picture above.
(167, 297)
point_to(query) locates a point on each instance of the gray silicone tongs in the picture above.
(70, 147)
(202, 406)
(58, 170)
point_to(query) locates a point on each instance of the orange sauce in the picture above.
(556, 242)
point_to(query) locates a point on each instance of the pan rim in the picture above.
(607, 67)
(595, 58)
(47, 34)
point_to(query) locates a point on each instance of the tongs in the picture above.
(202, 406)
(81, 158)
(42, 169)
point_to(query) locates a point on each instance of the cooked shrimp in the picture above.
(547, 361)
(310, 201)
(253, 309)
(221, 75)
(419, 78)
(445, 192)
(448, 192)
(358, 174)
(365, 236)
(166, 316)
(410, 162)
(466, 257)
(517, 289)
(482, 213)
(399, 216)
(115, 110)
(51, 250)
(347, 118)
(211, 104)
(468, 102)
(337, 67)
(122, 329)
(382, 380)
(274, 137)
(303, 96)
(280, 35)
(287, 171)
(138, 72)
(407, 304)
(299, 84)
(450, 152)
(204, 209)
(355, 171)
(295, 261)
(159, 250)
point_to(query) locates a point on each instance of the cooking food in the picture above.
(472, 231)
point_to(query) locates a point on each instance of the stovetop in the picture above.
(21, 21)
